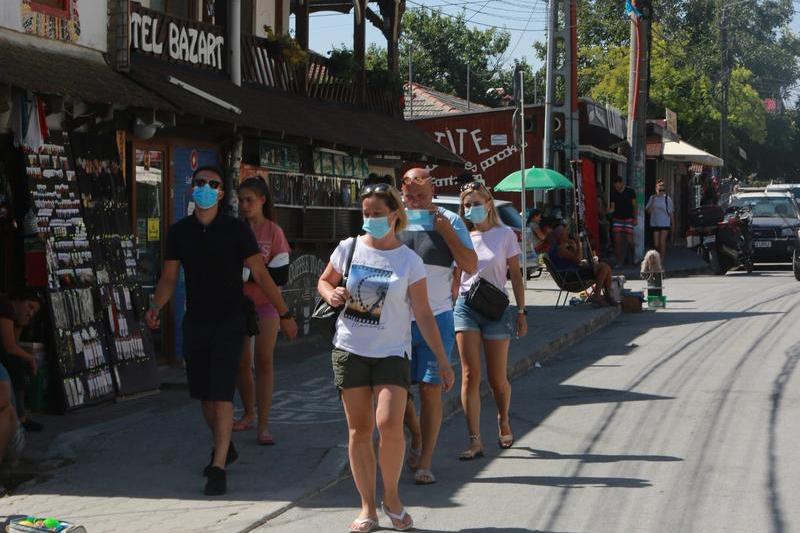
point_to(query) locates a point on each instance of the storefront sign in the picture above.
(155, 33)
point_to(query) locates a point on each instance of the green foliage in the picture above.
(441, 47)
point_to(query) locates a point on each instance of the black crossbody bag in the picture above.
(323, 310)
(486, 299)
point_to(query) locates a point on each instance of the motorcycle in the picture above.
(732, 246)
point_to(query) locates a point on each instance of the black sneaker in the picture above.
(216, 484)
(231, 458)
(32, 426)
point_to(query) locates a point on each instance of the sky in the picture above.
(525, 19)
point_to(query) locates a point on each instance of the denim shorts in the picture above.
(4, 373)
(468, 320)
(424, 367)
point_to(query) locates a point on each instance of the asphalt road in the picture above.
(681, 420)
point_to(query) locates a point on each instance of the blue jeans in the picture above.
(468, 320)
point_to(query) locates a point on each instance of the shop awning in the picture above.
(213, 96)
(38, 65)
(602, 154)
(686, 153)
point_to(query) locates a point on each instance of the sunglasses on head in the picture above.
(375, 188)
(200, 182)
(419, 180)
(472, 186)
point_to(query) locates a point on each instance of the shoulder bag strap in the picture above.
(349, 261)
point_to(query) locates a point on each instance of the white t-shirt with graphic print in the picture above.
(376, 320)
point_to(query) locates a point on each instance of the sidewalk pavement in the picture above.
(681, 262)
(137, 466)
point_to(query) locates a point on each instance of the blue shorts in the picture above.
(424, 368)
(4, 373)
(468, 320)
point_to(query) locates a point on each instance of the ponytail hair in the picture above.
(258, 184)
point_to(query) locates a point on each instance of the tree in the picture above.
(441, 47)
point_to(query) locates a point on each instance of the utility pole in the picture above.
(552, 21)
(468, 91)
(410, 80)
(638, 90)
(725, 82)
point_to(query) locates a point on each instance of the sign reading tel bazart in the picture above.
(155, 33)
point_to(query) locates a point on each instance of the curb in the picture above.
(452, 403)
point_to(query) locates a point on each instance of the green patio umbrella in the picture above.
(535, 179)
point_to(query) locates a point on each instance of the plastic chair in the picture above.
(566, 285)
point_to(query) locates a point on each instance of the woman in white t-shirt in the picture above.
(372, 344)
(662, 217)
(498, 253)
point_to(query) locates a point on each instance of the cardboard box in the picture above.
(631, 303)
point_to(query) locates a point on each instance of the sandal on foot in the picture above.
(363, 525)
(401, 521)
(243, 425)
(505, 441)
(472, 453)
(423, 476)
(265, 439)
(412, 462)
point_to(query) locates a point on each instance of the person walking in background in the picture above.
(16, 312)
(385, 283)
(441, 239)
(662, 217)
(624, 217)
(498, 255)
(212, 248)
(256, 207)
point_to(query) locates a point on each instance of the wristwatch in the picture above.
(287, 315)
(522, 311)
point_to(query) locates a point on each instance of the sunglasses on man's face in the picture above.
(419, 180)
(472, 186)
(200, 182)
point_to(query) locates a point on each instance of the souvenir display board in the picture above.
(80, 343)
(106, 210)
(313, 191)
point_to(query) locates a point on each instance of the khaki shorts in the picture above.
(351, 370)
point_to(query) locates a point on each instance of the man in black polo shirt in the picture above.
(212, 248)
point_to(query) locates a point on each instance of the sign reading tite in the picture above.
(158, 34)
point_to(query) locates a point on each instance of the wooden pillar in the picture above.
(360, 47)
(393, 19)
(279, 28)
(301, 23)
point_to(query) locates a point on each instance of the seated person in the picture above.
(566, 255)
(16, 312)
(539, 230)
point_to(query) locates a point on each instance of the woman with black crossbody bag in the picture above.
(482, 315)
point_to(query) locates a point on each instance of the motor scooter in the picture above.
(732, 246)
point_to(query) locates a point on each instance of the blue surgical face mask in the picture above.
(422, 217)
(205, 197)
(475, 214)
(378, 227)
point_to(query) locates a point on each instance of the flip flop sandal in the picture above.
(412, 462)
(240, 425)
(399, 522)
(265, 439)
(423, 476)
(363, 525)
(470, 453)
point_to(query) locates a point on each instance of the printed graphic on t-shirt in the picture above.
(368, 287)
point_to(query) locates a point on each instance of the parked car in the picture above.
(792, 188)
(775, 226)
(511, 218)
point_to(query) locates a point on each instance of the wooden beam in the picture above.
(360, 47)
(301, 23)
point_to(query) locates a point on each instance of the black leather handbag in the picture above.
(323, 311)
(487, 300)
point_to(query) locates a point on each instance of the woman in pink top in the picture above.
(498, 253)
(255, 205)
